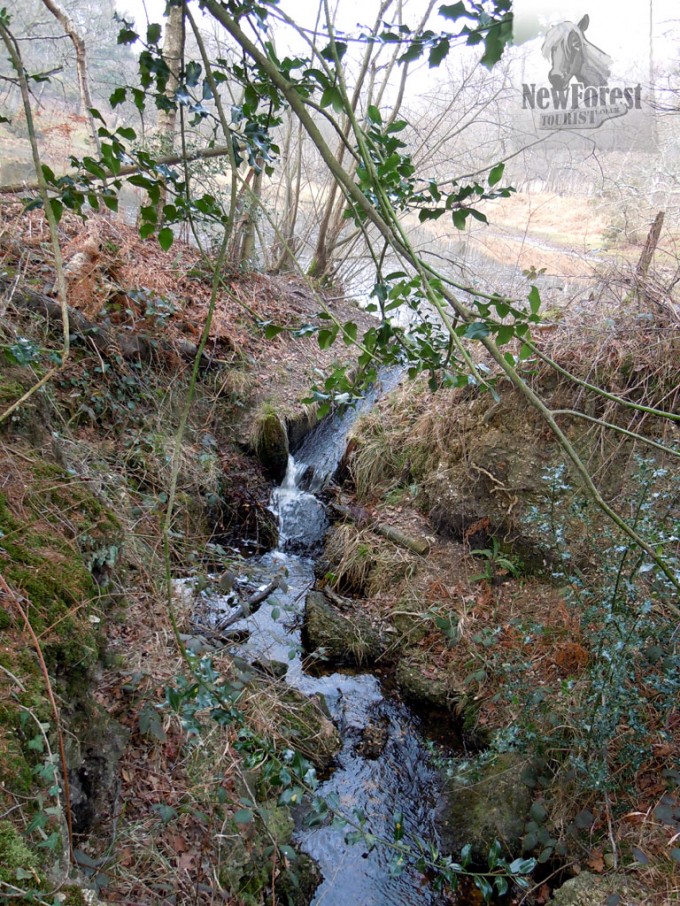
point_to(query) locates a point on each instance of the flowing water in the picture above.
(397, 778)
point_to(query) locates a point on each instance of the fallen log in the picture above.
(251, 605)
(106, 341)
(364, 519)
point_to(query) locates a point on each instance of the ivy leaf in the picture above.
(498, 35)
(340, 49)
(414, 52)
(127, 132)
(272, 330)
(496, 174)
(193, 73)
(153, 33)
(150, 723)
(127, 36)
(243, 816)
(165, 238)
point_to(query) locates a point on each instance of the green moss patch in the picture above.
(18, 863)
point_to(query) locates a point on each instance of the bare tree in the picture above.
(81, 66)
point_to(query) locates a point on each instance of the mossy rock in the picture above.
(588, 889)
(349, 640)
(493, 806)
(293, 721)
(41, 559)
(16, 858)
(247, 863)
(271, 444)
(418, 684)
(50, 574)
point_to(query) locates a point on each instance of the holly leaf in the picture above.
(439, 52)
(496, 174)
(165, 238)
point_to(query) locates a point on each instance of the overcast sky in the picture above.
(623, 30)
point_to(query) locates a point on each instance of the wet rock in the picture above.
(340, 639)
(246, 871)
(588, 889)
(494, 805)
(374, 738)
(271, 444)
(276, 669)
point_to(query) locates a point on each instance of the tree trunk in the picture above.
(81, 66)
(173, 46)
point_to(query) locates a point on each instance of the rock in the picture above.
(339, 639)
(292, 720)
(374, 738)
(420, 686)
(276, 669)
(225, 583)
(271, 444)
(494, 806)
(588, 889)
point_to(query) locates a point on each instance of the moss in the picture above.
(15, 855)
(52, 576)
(74, 896)
(340, 639)
(248, 859)
(271, 443)
(494, 806)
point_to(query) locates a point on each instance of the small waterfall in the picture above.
(396, 780)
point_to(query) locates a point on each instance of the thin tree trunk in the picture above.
(81, 66)
(252, 206)
(173, 45)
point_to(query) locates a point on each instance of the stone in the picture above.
(494, 806)
(271, 445)
(343, 640)
(588, 889)
(419, 686)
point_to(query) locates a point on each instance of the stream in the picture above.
(398, 778)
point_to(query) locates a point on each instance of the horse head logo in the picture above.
(571, 56)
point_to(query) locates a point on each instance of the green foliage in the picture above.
(497, 563)
(18, 863)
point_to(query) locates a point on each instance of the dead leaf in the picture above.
(596, 861)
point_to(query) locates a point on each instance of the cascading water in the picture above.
(393, 779)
